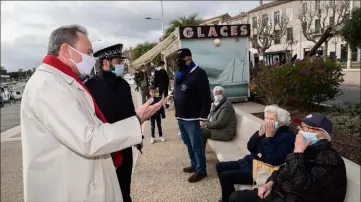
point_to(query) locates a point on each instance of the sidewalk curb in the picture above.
(6, 135)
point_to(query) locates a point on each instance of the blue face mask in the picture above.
(309, 136)
(118, 69)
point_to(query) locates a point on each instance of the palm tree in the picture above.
(189, 20)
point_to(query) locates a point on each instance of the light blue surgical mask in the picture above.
(309, 136)
(276, 124)
(118, 69)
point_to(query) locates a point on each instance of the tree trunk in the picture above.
(325, 49)
(323, 38)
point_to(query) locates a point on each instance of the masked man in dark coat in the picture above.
(113, 95)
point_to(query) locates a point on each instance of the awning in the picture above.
(152, 53)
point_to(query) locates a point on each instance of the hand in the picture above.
(262, 131)
(301, 144)
(270, 129)
(169, 99)
(202, 124)
(147, 110)
(265, 190)
(163, 117)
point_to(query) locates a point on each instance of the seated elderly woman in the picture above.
(271, 144)
(313, 172)
(222, 123)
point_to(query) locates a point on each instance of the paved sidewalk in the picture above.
(158, 175)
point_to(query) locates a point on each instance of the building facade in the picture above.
(293, 43)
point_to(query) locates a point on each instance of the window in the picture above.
(290, 34)
(254, 41)
(277, 38)
(304, 7)
(276, 17)
(318, 4)
(265, 19)
(332, 2)
(254, 22)
(331, 20)
(317, 26)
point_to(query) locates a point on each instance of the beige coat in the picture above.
(66, 148)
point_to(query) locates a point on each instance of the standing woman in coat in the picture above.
(113, 96)
(66, 140)
(222, 122)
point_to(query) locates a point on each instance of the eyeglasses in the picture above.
(305, 128)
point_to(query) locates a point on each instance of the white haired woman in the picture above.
(222, 123)
(271, 144)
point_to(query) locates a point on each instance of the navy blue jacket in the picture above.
(272, 150)
(192, 96)
(160, 112)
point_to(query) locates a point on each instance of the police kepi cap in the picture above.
(114, 51)
(183, 52)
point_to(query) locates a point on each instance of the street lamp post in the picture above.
(157, 19)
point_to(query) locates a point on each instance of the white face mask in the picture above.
(218, 98)
(86, 65)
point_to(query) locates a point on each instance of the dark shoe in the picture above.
(189, 170)
(196, 177)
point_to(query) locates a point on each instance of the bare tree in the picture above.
(288, 44)
(317, 16)
(265, 32)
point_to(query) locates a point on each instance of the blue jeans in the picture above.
(191, 133)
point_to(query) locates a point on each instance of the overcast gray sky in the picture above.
(26, 26)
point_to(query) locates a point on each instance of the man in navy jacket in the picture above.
(192, 101)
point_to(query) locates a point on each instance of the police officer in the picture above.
(113, 95)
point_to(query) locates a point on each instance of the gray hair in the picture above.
(65, 34)
(218, 88)
(283, 115)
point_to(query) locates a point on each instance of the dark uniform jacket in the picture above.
(316, 175)
(113, 96)
(161, 78)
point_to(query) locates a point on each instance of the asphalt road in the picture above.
(349, 94)
(10, 116)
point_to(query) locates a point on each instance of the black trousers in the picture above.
(230, 173)
(124, 173)
(157, 119)
(163, 90)
(206, 134)
(247, 196)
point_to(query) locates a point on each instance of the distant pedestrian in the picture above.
(143, 84)
(161, 80)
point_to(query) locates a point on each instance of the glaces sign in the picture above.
(214, 31)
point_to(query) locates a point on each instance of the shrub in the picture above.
(300, 84)
(346, 135)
